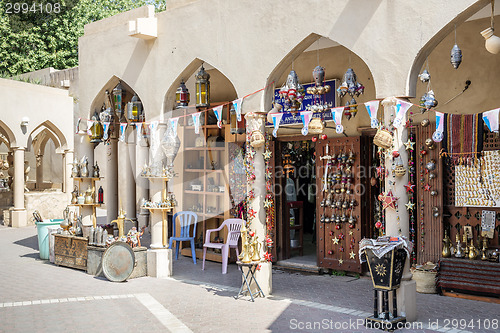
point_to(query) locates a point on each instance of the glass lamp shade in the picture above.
(118, 94)
(202, 88)
(170, 145)
(134, 109)
(96, 130)
(182, 96)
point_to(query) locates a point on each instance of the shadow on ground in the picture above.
(30, 242)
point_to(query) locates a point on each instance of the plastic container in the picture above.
(43, 236)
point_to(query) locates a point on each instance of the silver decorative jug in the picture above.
(84, 167)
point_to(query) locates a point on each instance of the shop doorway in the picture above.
(296, 197)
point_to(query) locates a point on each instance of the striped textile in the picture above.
(463, 133)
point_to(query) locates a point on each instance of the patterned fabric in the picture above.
(464, 133)
(382, 245)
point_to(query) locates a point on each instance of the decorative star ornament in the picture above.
(335, 240)
(267, 203)
(352, 255)
(409, 144)
(427, 187)
(409, 187)
(351, 233)
(380, 171)
(388, 200)
(268, 174)
(267, 154)
(341, 261)
(251, 154)
(410, 205)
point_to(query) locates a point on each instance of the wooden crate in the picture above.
(71, 251)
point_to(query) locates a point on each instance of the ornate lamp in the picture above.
(202, 88)
(118, 94)
(170, 145)
(236, 127)
(96, 129)
(134, 109)
(182, 96)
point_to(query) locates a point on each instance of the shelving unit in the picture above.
(206, 166)
(93, 205)
(163, 210)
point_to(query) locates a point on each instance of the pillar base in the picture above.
(160, 263)
(142, 220)
(264, 277)
(18, 218)
(407, 300)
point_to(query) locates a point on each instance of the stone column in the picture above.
(39, 171)
(142, 184)
(159, 257)
(126, 177)
(67, 179)
(111, 178)
(406, 294)
(256, 121)
(19, 216)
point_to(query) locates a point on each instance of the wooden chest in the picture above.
(71, 251)
(469, 276)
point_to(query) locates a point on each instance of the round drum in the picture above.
(118, 262)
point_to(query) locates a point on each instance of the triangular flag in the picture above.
(173, 124)
(276, 122)
(337, 117)
(306, 118)
(491, 119)
(438, 135)
(401, 108)
(196, 122)
(153, 126)
(78, 125)
(89, 127)
(123, 126)
(218, 114)
(237, 107)
(372, 108)
(138, 127)
(105, 126)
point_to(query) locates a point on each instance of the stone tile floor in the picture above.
(36, 296)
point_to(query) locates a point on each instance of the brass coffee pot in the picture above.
(256, 249)
(446, 253)
(485, 247)
(458, 248)
(473, 253)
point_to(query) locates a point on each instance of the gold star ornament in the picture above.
(352, 255)
(341, 261)
(335, 240)
(267, 154)
(267, 203)
(409, 145)
(410, 205)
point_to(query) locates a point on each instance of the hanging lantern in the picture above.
(353, 108)
(292, 92)
(118, 95)
(425, 76)
(430, 100)
(316, 126)
(134, 109)
(236, 127)
(456, 56)
(202, 88)
(182, 96)
(170, 145)
(399, 170)
(96, 129)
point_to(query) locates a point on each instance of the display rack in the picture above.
(206, 187)
(92, 205)
(163, 210)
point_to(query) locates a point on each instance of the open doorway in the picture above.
(295, 173)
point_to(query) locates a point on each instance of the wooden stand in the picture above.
(163, 210)
(93, 205)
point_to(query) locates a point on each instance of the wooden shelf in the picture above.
(194, 170)
(156, 177)
(87, 178)
(203, 192)
(157, 208)
(89, 205)
(204, 148)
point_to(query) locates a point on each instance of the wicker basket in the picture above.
(426, 281)
(399, 171)
(383, 138)
(316, 126)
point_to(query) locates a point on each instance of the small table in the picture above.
(245, 284)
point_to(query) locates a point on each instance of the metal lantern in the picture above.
(118, 94)
(202, 88)
(425, 76)
(134, 112)
(182, 97)
(236, 127)
(96, 129)
(456, 56)
(319, 75)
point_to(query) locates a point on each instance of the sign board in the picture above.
(329, 98)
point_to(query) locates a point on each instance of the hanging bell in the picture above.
(431, 165)
(345, 204)
(352, 220)
(430, 100)
(327, 219)
(337, 219)
(319, 75)
(425, 76)
(430, 144)
(432, 175)
(434, 193)
(456, 56)
(343, 219)
(322, 219)
(338, 204)
(352, 203)
(435, 211)
(322, 203)
(425, 123)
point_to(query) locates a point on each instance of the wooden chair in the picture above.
(233, 235)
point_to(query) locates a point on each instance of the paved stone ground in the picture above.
(36, 296)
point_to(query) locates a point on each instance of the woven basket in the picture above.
(426, 281)
(383, 138)
(316, 126)
(257, 139)
(400, 171)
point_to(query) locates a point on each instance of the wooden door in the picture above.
(338, 241)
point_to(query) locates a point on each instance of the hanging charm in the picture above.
(425, 76)
(456, 56)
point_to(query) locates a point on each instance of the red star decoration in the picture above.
(427, 187)
(251, 213)
(409, 187)
(380, 171)
(388, 200)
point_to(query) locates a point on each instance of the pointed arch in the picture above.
(431, 44)
(278, 74)
(8, 134)
(41, 138)
(222, 88)
(60, 140)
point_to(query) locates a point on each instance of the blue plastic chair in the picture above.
(186, 219)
